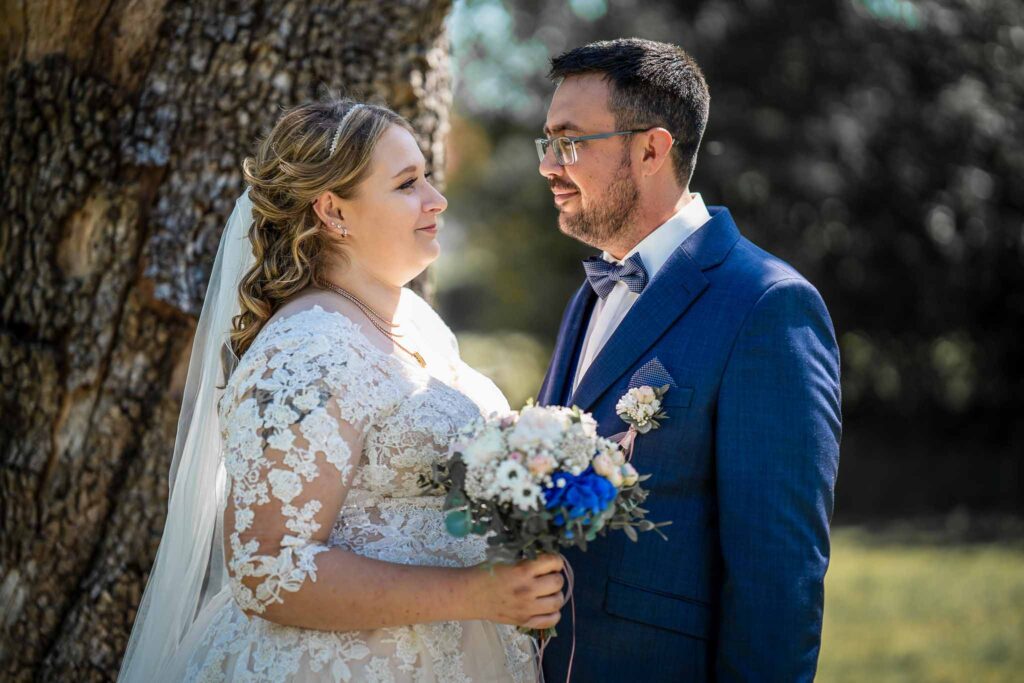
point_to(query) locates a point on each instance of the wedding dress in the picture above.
(314, 409)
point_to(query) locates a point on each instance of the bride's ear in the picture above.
(328, 209)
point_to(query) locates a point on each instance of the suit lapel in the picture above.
(565, 358)
(673, 290)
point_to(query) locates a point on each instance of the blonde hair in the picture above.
(313, 148)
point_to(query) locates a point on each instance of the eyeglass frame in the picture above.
(543, 143)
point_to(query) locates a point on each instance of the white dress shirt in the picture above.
(654, 250)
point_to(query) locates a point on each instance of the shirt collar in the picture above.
(657, 247)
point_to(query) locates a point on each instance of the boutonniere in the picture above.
(640, 408)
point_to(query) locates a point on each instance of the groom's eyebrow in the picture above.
(567, 125)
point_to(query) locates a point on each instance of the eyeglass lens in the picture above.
(563, 148)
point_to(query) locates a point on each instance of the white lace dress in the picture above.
(314, 412)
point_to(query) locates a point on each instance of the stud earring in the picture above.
(344, 231)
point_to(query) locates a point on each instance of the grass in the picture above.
(922, 610)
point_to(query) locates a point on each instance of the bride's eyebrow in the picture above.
(407, 169)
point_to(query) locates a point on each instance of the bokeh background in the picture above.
(875, 144)
(878, 146)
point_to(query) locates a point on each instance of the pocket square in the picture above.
(651, 374)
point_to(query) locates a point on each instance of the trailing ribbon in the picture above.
(569, 581)
(626, 440)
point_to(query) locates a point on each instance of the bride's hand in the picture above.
(526, 594)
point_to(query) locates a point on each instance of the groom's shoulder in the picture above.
(758, 279)
(752, 277)
(761, 267)
(756, 270)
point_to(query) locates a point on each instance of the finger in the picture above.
(549, 584)
(543, 621)
(548, 604)
(547, 564)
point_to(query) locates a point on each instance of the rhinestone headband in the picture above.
(341, 126)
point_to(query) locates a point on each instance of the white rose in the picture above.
(626, 404)
(645, 395)
(540, 465)
(604, 466)
(615, 477)
(538, 425)
(588, 424)
(484, 448)
(629, 474)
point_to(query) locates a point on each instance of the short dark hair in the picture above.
(652, 84)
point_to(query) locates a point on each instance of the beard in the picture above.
(597, 224)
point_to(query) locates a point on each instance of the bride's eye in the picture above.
(407, 185)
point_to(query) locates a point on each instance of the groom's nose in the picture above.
(549, 168)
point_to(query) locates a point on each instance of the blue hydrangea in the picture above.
(587, 493)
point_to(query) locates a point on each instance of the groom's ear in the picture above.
(657, 145)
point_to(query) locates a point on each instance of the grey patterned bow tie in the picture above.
(603, 275)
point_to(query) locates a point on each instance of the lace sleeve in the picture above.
(297, 412)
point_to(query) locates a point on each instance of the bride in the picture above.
(299, 545)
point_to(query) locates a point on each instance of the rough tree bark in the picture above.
(124, 126)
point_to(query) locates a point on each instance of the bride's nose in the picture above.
(434, 201)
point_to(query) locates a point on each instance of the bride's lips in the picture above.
(429, 229)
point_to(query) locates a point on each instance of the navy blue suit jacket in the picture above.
(744, 467)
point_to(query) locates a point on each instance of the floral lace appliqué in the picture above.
(314, 404)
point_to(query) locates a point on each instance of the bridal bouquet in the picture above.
(539, 480)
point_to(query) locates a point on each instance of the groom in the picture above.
(746, 462)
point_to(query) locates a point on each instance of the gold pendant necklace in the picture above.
(376, 319)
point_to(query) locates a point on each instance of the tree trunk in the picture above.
(124, 126)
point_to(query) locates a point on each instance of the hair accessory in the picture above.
(341, 126)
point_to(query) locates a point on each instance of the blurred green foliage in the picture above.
(515, 361)
(902, 610)
(877, 145)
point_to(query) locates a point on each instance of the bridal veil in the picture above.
(189, 565)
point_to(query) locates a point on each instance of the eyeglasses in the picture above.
(565, 147)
